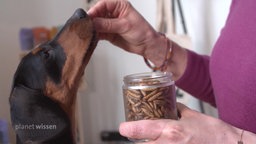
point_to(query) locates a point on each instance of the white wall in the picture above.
(101, 98)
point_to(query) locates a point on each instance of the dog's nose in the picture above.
(79, 14)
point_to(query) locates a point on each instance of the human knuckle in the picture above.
(173, 132)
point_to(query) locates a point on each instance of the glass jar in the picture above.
(149, 96)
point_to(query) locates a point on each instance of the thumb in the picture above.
(143, 129)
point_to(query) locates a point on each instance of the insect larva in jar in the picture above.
(143, 93)
(147, 106)
(147, 112)
(137, 92)
(155, 96)
(150, 94)
(131, 101)
(133, 95)
(137, 104)
(135, 110)
(151, 104)
(157, 114)
(160, 112)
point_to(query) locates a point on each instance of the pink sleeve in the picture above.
(196, 78)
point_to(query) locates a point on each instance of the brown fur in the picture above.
(75, 40)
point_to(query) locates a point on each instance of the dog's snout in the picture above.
(79, 14)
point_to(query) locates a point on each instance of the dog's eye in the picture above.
(46, 54)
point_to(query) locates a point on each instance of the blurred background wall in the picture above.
(100, 97)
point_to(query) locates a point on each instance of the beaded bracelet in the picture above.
(162, 67)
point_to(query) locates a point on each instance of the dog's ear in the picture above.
(35, 117)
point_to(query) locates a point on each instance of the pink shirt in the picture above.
(227, 79)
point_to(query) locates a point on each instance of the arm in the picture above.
(119, 23)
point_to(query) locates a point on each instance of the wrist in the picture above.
(164, 65)
(166, 55)
(178, 62)
(156, 50)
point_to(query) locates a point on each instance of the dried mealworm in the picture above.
(148, 113)
(135, 110)
(147, 118)
(133, 95)
(143, 93)
(150, 94)
(157, 114)
(137, 104)
(155, 96)
(164, 88)
(160, 112)
(147, 106)
(131, 101)
(151, 104)
(135, 91)
(155, 105)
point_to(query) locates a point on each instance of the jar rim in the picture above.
(148, 80)
(148, 76)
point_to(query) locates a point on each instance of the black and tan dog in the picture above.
(46, 81)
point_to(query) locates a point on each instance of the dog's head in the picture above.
(46, 81)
